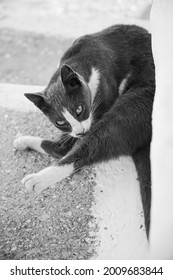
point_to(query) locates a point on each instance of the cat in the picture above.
(101, 98)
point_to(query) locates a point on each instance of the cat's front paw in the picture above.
(39, 181)
(21, 142)
(35, 182)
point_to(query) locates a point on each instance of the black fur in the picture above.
(122, 125)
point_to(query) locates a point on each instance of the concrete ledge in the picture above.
(119, 211)
(12, 96)
(117, 204)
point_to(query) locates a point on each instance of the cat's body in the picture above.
(101, 96)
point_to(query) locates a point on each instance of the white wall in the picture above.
(161, 237)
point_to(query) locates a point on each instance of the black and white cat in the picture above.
(101, 98)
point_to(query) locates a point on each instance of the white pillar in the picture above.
(161, 232)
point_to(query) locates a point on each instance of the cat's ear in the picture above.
(38, 99)
(69, 77)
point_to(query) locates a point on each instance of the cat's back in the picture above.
(121, 33)
(118, 41)
(127, 42)
(111, 37)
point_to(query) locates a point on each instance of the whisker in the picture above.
(94, 111)
(96, 105)
(97, 102)
(65, 141)
(62, 140)
(96, 114)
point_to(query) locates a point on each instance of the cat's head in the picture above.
(67, 102)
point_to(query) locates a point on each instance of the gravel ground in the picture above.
(58, 224)
(54, 225)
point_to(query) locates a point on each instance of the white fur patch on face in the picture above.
(86, 124)
(75, 124)
(77, 127)
(94, 82)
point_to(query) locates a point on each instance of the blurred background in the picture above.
(35, 33)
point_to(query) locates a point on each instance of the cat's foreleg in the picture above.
(29, 142)
(58, 148)
(39, 181)
(54, 148)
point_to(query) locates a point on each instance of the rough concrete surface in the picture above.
(94, 214)
(53, 225)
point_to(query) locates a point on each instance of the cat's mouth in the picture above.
(80, 135)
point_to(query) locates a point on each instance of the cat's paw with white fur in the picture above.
(39, 181)
(35, 182)
(21, 142)
(28, 142)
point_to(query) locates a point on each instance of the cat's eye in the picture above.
(60, 123)
(79, 110)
